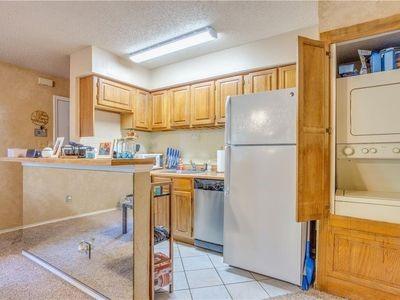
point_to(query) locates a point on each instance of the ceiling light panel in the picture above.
(181, 42)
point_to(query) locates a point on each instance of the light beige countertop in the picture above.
(203, 175)
(81, 161)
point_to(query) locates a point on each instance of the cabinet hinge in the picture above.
(328, 130)
(328, 53)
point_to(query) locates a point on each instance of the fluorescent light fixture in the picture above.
(190, 39)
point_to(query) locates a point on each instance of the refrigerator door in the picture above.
(262, 118)
(260, 231)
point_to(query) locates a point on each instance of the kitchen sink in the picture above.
(184, 171)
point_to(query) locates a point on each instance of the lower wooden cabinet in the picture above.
(182, 214)
(182, 208)
(161, 211)
(359, 259)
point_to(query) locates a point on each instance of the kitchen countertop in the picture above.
(81, 161)
(205, 175)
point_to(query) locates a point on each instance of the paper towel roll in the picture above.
(220, 161)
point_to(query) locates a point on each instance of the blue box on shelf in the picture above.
(388, 59)
(376, 62)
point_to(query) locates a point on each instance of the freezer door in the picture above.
(262, 118)
(260, 229)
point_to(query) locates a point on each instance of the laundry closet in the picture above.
(365, 114)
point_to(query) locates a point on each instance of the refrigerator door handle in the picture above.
(227, 171)
(228, 121)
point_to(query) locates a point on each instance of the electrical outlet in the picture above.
(68, 199)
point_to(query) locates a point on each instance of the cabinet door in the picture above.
(160, 110)
(312, 130)
(161, 211)
(262, 81)
(182, 213)
(180, 106)
(114, 95)
(287, 77)
(231, 86)
(202, 100)
(142, 110)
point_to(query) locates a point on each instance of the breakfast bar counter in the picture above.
(60, 190)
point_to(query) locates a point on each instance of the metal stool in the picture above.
(126, 203)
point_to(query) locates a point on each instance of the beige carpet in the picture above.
(22, 279)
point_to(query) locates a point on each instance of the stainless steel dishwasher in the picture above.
(209, 214)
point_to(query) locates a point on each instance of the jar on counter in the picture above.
(90, 152)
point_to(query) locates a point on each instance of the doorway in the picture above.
(61, 118)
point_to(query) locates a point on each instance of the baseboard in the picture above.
(56, 220)
(64, 276)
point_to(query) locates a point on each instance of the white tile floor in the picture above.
(200, 274)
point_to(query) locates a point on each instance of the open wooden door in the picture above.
(312, 130)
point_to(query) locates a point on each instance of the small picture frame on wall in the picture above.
(105, 149)
(57, 147)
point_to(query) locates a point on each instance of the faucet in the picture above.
(193, 165)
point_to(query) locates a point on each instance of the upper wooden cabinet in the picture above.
(287, 77)
(160, 110)
(142, 109)
(140, 117)
(262, 81)
(114, 95)
(202, 104)
(225, 87)
(312, 130)
(180, 106)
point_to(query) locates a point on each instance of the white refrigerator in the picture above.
(260, 229)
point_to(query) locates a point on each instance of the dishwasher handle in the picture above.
(209, 185)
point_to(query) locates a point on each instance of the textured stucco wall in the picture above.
(336, 14)
(20, 95)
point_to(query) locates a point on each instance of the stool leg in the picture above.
(124, 219)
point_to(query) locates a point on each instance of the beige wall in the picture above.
(45, 190)
(20, 95)
(336, 14)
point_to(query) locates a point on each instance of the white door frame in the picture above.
(55, 109)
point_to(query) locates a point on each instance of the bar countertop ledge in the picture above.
(46, 181)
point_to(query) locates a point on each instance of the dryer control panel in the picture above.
(368, 151)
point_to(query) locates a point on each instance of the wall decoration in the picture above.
(41, 119)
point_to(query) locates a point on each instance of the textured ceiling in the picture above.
(41, 35)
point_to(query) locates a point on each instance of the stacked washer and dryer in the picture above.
(368, 146)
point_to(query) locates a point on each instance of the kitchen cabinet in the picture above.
(160, 110)
(261, 81)
(182, 214)
(225, 87)
(142, 110)
(113, 95)
(313, 131)
(182, 208)
(87, 95)
(287, 77)
(139, 119)
(356, 258)
(203, 103)
(180, 106)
